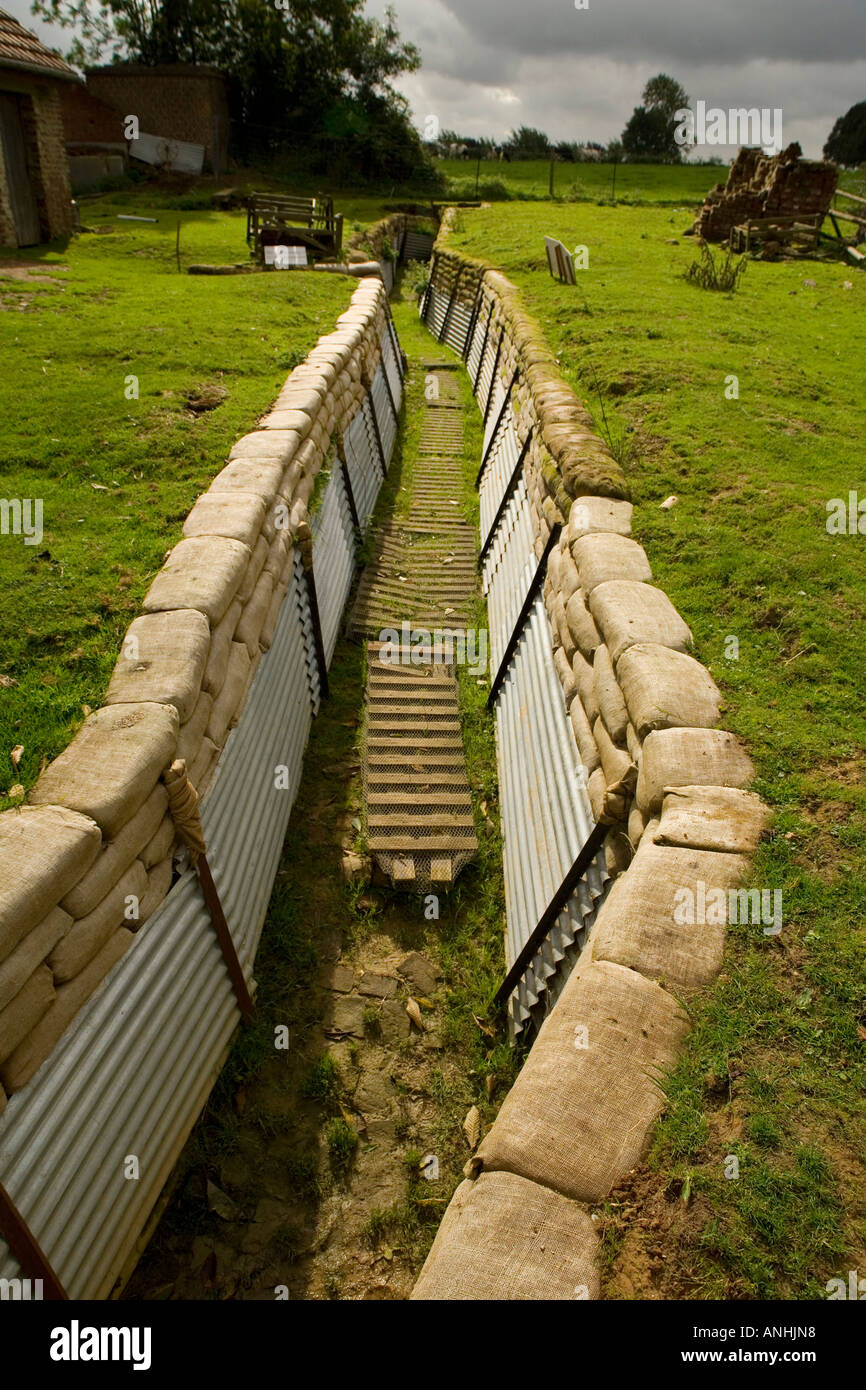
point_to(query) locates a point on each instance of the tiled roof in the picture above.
(22, 50)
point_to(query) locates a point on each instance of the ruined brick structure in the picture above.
(759, 185)
(178, 101)
(35, 198)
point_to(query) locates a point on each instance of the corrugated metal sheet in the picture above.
(133, 1071)
(509, 566)
(417, 246)
(504, 453)
(546, 818)
(362, 460)
(480, 333)
(384, 413)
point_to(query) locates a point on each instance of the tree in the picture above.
(528, 143)
(846, 143)
(649, 134)
(311, 74)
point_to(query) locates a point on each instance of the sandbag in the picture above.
(597, 786)
(120, 907)
(581, 625)
(633, 744)
(29, 954)
(586, 744)
(636, 825)
(577, 1118)
(628, 612)
(24, 1011)
(221, 640)
(603, 555)
(193, 731)
(724, 819)
(618, 852)
(263, 476)
(505, 1238)
(44, 850)
(202, 572)
(642, 922)
(117, 855)
(561, 626)
(253, 617)
(609, 696)
(25, 1061)
(620, 773)
(569, 579)
(158, 884)
(590, 514)
(278, 552)
(566, 675)
(112, 765)
(689, 757)
(170, 652)
(664, 689)
(266, 636)
(225, 706)
(203, 768)
(160, 846)
(261, 550)
(585, 685)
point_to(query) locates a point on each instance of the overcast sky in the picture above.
(491, 65)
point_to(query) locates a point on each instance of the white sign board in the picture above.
(282, 257)
(169, 154)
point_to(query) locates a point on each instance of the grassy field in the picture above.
(529, 179)
(80, 332)
(774, 1070)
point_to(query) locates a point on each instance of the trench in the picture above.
(334, 1137)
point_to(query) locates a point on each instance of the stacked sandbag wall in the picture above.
(88, 859)
(658, 770)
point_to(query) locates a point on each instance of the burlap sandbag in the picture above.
(160, 845)
(112, 765)
(636, 825)
(603, 555)
(566, 675)
(158, 884)
(43, 851)
(193, 731)
(569, 579)
(202, 572)
(278, 551)
(279, 446)
(689, 757)
(221, 640)
(266, 636)
(503, 1237)
(29, 1055)
(597, 786)
(590, 514)
(620, 773)
(618, 851)
(561, 627)
(609, 696)
(3, 1100)
(586, 744)
(21, 963)
(24, 1011)
(261, 551)
(627, 611)
(203, 768)
(117, 855)
(226, 703)
(585, 686)
(643, 922)
(633, 743)
(248, 475)
(171, 651)
(89, 934)
(664, 689)
(581, 625)
(578, 1116)
(712, 818)
(554, 560)
(252, 619)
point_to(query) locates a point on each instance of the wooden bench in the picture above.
(277, 220)
(775, 229)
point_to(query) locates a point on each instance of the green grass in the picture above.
(636, 183)
(117, 476)
(774, 1071)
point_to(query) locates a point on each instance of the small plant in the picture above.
(709, 274)
(323, 1080)
(342, 1142)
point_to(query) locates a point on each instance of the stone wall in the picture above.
(46, 152)
(672, 787)
(759, 185)
(89, 858)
